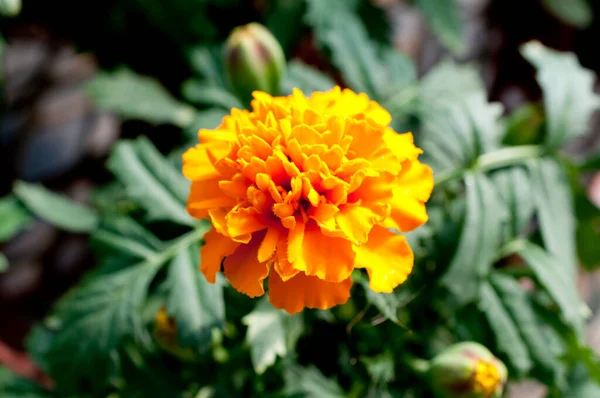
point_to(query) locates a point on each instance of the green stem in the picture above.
(180, 243)
(493, 160)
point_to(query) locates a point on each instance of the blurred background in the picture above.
(51, 132)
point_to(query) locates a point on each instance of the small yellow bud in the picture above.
(467, 370)
(165, 334)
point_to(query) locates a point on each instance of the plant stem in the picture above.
(493, 160)
(180, 243)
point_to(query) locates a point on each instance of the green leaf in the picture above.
(518, 304)
(514, 187)
(106, 308)
(353, 52)
(380, 368)
(310, 383)
(387, 303)
(206, 63)
(125, 237)
(479, 240)
(208, 94)
(14, 218)
(554, 206)
(134, 96)
(507, 336)
(56, 209)
(151, 181)
(207, 119)
(577, 13)
(265, 335)
(306, 78)
(444, 20)
(458, 122)
(567, 88)
(556, 279)
(197, 305)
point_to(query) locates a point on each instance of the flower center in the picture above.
(486, 379)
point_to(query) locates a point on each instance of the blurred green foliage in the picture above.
(508, 207)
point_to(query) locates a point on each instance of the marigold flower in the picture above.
(303, 190)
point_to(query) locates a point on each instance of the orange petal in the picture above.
(243, 221)
(206, 195)
(307, 291)
(244, 271)
(408, 203)
(356, 222)
(282, 265)
(387, 258)
(196, 162)
(329, 258)
(268, 245)
(216, 247)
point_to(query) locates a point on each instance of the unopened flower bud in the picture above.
(467, 370)
(165, 334)
(254, 60)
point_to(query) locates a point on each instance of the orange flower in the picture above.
(303, 190)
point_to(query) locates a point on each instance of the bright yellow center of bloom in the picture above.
(486, 378)
(303, 190)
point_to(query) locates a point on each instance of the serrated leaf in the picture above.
(206, 63)
(338, 28)
(307, 79)
(310, 383)
(567, 88)
(151, 181)
(458, 121)
(518, 304)
(514, 187)
(197, 305)
(265, 335)
(56, 209)
(106, 310)
(444, 20)
(134, 96)
(507, 336)
(14, 218)
(127, 238)
(554, 277)
(577, 13)
(554, 206)
(209, 94)
(479, 240)
(380, 368)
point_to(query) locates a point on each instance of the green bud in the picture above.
(467, 370)
(253, 61)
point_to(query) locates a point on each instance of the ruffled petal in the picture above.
(387, 258)
(216, 247)
(328, 258)
(408, 203)
(243, 270)
(197, 165)
(206, 195)
(307, 291)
